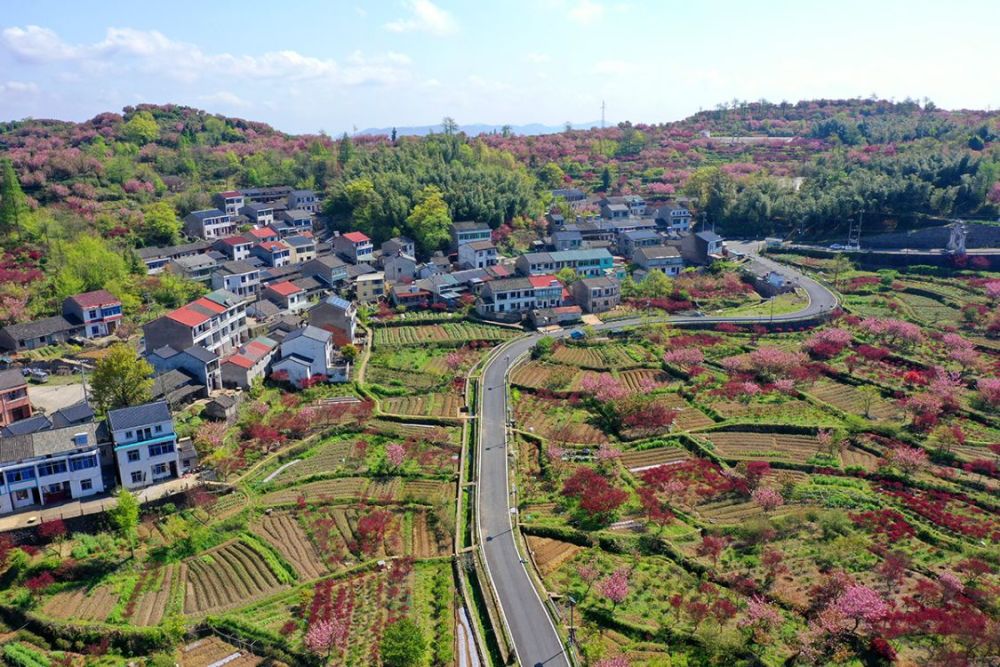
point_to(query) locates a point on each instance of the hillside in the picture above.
(750, 168)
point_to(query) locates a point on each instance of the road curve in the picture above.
(536, 641)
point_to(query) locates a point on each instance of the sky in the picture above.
(336, 66)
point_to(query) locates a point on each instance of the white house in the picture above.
(309, 352)
(49, 467)
(145, 444)
(477, 254)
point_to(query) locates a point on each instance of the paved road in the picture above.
(535, 639)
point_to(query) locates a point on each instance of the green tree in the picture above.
(552, 175)
(449, 126)
(141, 129)
(345, 150)
(403, 645)
(87, 263)
(12, 209)
(606, 179)
(161, 225)
(567, 275)
(429, 221)
(121, 378)
(124, 516)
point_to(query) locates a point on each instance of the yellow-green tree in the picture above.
(141, 128)
(121, 378)
(429, 221)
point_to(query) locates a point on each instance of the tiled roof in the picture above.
(95, 299)
(237, 267)
(207, 213)
(262, 233)
(231, 193)
(285, 288)
(234, 241)
(273, 246)
(544, 281)
(188, 317)
(309, 331)
(45, 326)
(10, 378)
(239, 360)
(138, 415)
(356, 237)
(210, 305)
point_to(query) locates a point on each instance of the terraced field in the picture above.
(650, 458)
(213, 652)
(688, 417)
(552, 420)
(640, 380)
(82, 604)
(425, 405)
(746, 446)
(150, 605)
(229, 575)
(549, 554)
(447, 333)
(850, 399)
(541, 375)
(603, 357)
(328, 459)
(345, 488)
(284, 533)
(428, 491)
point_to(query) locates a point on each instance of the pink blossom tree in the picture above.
(324, 635)
(604, 387)
(909, 460)
(761, 618)
(614, 661)
(395, 454)
(989, 391)
(861, 604)
(588, 574)
(615, 587)
(684, 357)
(769, 499)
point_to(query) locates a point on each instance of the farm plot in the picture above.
(423, 541)
(426, 491)
(327, 490)
(329, 458)
(411, 380)
(928, 309)
(149, 603)
(554, 420)
(228, 576)
(745, 446)
(342, 534)
(729, 511)
(213, 651)
(650, 458)
(549, 554)
(852, 400)
(283, 532)
(445, 435)
(447, 333)
(789, 411)
(425, 405)
(852, 456)
(602, 357)
(688, 417)
(540, 375)
(641, 380)
(82, 604)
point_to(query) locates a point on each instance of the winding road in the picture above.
(533, 633)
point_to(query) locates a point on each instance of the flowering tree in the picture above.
(828, 343)
(37, 584)
(989, 391)
(604, 387)
(324, 635)
(760, 620)
(909, 460)
(892, 568)
(685, 357)
(774, 566)
(769, 499)
(594, 494)
(614, 661)
(614, 587)
(861, 604)
(53, 531)
(924, 410)
(395, 454)
(892, 331)
(712, 547)
(588, 574)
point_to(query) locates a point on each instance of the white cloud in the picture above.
(424, 16)
(586, 12)
(226, 98)
(151, 52)
(18, 88)
(537, 58)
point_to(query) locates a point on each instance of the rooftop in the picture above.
(286, 288)
(95, 299)
(356, 237)
(138, 415)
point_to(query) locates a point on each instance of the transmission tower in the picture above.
(854, 234)
(602, 114)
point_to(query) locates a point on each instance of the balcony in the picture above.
(143, 442)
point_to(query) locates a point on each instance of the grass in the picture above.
(783, 304)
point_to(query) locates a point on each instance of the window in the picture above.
(20, 475)
(128, 435)
(160, 469)
(159, 428)
(138, 477)
(161, 449)
(51, 468)
(86, 485)
(133, 455)
(83, 463)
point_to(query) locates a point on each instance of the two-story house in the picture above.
(506, 296)
(14, 402)
(355, 247)
(287, 296)
(586, 262)
(216, 322)
(673, 217)
(209, 224)
(268, 194)
(596, 295)
(567, 237)
(236, 248)
(231, 202)
(262, 235)
(99, 312)
(201, 365)
(702, 247)
(328, 269)
(237, 277)
(273, 253)
(632, 240)
(303, 248)
(49, 466)
(194, 267)
(369, 287)
(468, 231)
(310, 352)
(477, 255)
(156, 259)
(260, 215)
(299, 220)
(338, 316)
(248, 363)
(305, 200)
(549, 292)
(399, 268)
(144, 443)
(663, 258)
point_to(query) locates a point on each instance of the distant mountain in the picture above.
(474, 129)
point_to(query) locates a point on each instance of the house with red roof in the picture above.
(262, 234)
(236, 248)
(231, 202)
(286, 295)
(99, 312)
(216, 322)
(355, 247)
(273, 253)
(249, 362)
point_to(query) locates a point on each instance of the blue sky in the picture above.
(335, 66)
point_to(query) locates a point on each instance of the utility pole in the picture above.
(602, 114)
(854, 233)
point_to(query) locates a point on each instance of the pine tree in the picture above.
(11, 200)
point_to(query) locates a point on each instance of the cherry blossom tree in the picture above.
(761, 618)
(828, 343)
(588, 574)
(712, 546)
(909, 460)
(684, 357)
(324, 635)
(989, 391)
(861, 604)
(769, 499)
(615, 587)
(395, 454)
(614, 661)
